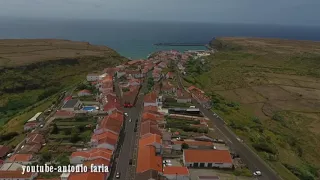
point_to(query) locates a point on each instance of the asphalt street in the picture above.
(248, 156)
(129, 145)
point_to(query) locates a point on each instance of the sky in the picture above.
(287, 12)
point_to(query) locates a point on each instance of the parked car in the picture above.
(118, 175)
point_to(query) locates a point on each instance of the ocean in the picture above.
(135, 39)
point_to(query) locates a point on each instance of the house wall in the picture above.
(150, 104)
(93, 78)
(174, 177)
(214, 165)
(183, 100)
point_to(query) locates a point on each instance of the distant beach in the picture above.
(136, 39)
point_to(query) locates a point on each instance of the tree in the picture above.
(184, 146)
(46, 156)
(55, 129)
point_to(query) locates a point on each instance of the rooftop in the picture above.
(87, 176)
(147, 159)
(20, 158)
(173, 170)
(150, 97)
(148, 140)
(15, 175)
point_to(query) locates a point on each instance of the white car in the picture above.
(167, 161)
(169, 164)
(129, 120)
(257, 173)
(126, 114)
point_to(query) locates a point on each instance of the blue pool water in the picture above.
(89, 108)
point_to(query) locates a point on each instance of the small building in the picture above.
(71, 105)
(176, 173)
(196, 158)
(106, 140)
(36, 117)
(30, 125)
(93, 77)
(84, 92)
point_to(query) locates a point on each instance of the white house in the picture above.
(176, 173)
(93, 77)
(196, 158)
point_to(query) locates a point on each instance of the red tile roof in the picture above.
(20, 158)
(150, 108)
(112, 122)
(106, 137)
(93, 153)
(193, 88)
(151, 139)
(147, 159)
(152, 116)
(87, 176)
(215, 156)
(113, 103)
(97, 162)
(67, 98)
(173, 170)
(150, 97)
(15, 175)
(149, 127)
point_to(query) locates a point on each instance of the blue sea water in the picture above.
(135, 39)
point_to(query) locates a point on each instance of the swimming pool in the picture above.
(90, 108)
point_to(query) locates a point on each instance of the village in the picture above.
(137, 119)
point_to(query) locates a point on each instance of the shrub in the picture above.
(8, 136)
(263, 146)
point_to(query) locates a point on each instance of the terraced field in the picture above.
(277, 84)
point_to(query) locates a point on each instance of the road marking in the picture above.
(223, 134)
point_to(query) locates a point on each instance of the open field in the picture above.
(34, 70)
(17, 52)
(277, 85)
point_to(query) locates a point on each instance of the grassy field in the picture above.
(33, 70)
(268, 91)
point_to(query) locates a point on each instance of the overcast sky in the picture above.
(298, 12)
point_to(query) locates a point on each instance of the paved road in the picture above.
(248, 156)
(128, 148)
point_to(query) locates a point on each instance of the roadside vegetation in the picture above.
(267, 91)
